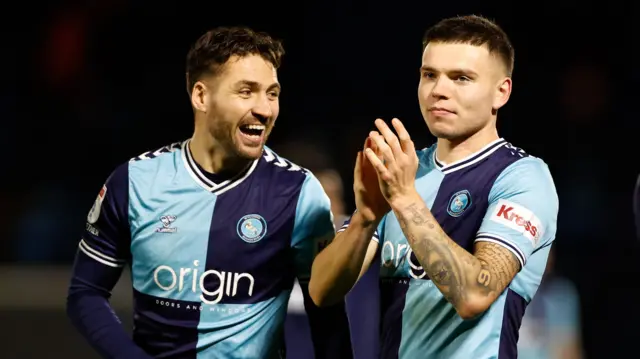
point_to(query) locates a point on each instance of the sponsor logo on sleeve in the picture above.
(518, 218)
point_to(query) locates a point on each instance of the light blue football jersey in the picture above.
(212, 264)
(500, 195)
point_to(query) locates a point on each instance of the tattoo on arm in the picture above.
(443, 260)
(417, 217)
(498, 267)
(452, 268)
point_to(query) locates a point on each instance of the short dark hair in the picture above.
(213, 49)
(473, 30)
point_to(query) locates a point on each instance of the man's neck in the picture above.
(212, 157)
(450, 151)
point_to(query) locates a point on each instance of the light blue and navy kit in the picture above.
(213, 260)
(499, 195)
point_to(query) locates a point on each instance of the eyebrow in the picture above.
(449, 71)
(254, 84)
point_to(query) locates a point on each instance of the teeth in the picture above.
(256, 127)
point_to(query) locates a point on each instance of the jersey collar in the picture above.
(206, 183)
(476, 157)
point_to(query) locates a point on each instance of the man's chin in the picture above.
(444, 131)
(441, 133)
(250, 152)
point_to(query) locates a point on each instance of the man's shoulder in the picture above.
(158, 154)
(283, 171)
(528, 182)
(526, 168)
(146, 165)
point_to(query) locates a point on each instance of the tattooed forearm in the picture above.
(498, 267)
(454, 270)
(420, 216)
(442, 259)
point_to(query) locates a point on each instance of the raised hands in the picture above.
(394, 159)
(369, 200)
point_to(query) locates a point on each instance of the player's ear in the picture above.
(199, 96)
(503, 91)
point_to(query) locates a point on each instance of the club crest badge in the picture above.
(459, 203)
(252, 228)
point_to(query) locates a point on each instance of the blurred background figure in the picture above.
(362, 301)
(332, 183)
(551, 325)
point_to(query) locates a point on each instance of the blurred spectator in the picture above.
(332, 183)
(585, 140)
(362, 301)
(551, 324)
(50, 226)
(585, 99)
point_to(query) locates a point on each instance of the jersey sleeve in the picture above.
(376, 233)
(102, 253)
(106, 236)
(313, 227)
(523, 209)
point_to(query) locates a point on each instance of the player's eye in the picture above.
(245, 92)
(463, 78)
(428, 74)
(274, 94)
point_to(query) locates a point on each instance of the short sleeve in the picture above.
(106, 236)
(523, 209)
(313, 227)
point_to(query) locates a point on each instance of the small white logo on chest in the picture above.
(166, 225)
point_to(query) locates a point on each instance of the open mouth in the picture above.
(252, 130)
(252, 135)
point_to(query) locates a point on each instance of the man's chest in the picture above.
(457, 207)
(234, 244)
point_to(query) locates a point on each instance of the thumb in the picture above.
(357, 170)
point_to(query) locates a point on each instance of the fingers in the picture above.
(368, 143)
(371, 143)
(357, 169)
(383, 151)
(376, 163)
(403, 135)
(389, 136)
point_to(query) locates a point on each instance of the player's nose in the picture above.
(440, 88)
(262, 110)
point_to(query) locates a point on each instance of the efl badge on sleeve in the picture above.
(94, 213)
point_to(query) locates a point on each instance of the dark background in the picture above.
(86, 87)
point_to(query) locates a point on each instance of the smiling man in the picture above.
(215, 229)
(461, 230)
